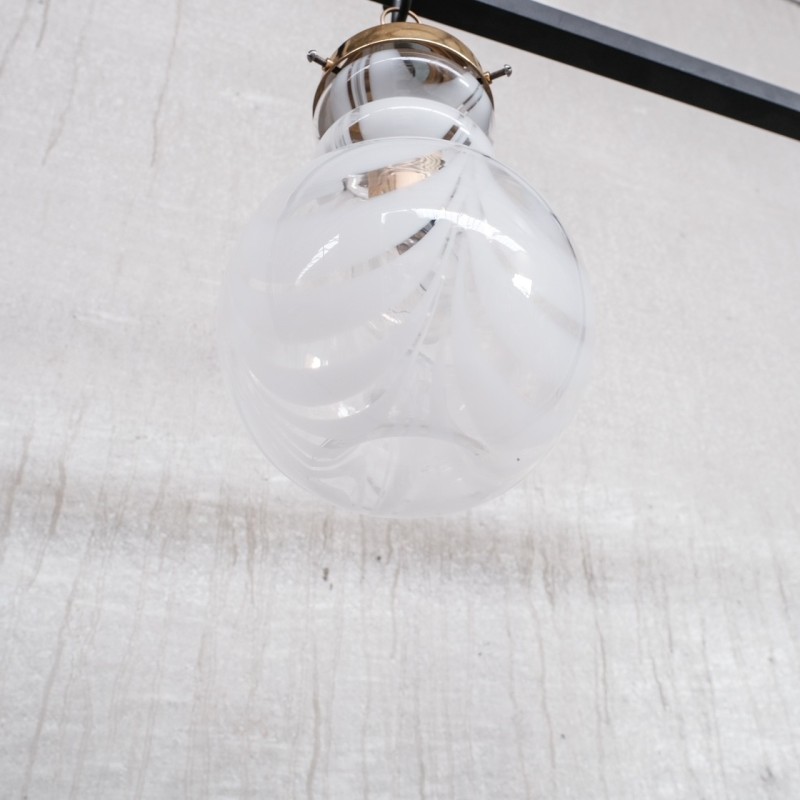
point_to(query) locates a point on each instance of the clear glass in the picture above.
(404, 327)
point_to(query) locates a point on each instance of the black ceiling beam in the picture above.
(572, 40)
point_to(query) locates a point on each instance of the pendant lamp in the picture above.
(404, 325)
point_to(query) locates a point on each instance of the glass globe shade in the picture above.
(404, 323)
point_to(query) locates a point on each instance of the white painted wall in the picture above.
(176, 620)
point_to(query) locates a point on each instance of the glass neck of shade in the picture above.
(403, 88)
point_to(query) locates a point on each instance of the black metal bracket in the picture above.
(572, 40)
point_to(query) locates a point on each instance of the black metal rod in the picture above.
(572, 40)
(401, 15)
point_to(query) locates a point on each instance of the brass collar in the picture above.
(396, 32)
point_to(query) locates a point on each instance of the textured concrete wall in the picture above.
(176, 620)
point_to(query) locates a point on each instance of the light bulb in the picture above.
(404, 324)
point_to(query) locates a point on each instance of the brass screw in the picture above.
(314, 57)
(498, 73)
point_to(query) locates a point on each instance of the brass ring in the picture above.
(434, 39)
(395, 8)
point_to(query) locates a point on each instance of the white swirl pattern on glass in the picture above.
(396, 73)
(404, 327)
